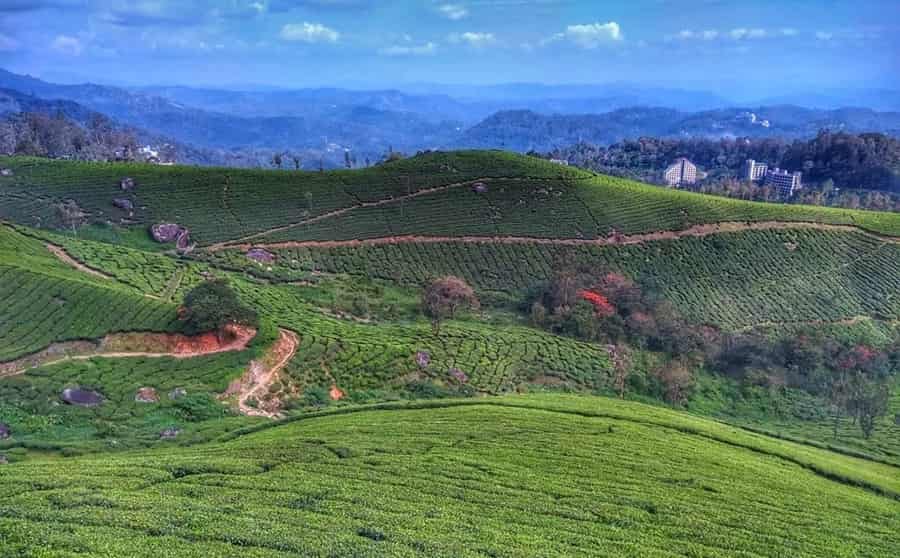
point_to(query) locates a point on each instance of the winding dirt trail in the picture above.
(64, 257)
(360, 205)
(261, 375)
(127, 345)
(612, 240)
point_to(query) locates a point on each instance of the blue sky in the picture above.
(721, 45)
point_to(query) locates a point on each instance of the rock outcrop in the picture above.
(126, 184)
(165, 233)
(5, 431)
(81, 397)
(169, 433)
(124, 204)
(260, 255)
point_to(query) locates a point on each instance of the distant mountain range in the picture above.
(527, 130)
(518, 117)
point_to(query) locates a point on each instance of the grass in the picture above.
(516, 476)
(31, 404)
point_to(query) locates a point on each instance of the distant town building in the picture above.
(681, 172)
(562, 162)
(784, 182)
(754, 172)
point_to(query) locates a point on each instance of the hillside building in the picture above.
(681, 172)
(754, 172)
(785, 183)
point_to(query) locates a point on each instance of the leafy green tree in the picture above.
(212, 305)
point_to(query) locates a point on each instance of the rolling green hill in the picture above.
(429, 195)
(549, 476)
(377, 470)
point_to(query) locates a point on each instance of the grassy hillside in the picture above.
(412, 457)
(44, 301)
(429, 194)
(548, 476)
(731, 280)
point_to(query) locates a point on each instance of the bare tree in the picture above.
(444, 296)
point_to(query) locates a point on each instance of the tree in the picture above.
(621, 360)
(277, 160)
(298, 161)
(444, 296)
(213, 305)
(676, 379)
(867, 401)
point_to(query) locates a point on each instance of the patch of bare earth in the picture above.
(124, 345)
(254, 397)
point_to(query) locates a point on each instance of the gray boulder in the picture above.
(6, 172)
(183, 241)
(3, 459)
(124, 204)
(260, 255)
(169, 433)
(126, 184)
(81, 397)
(177, 393)
(5, 431)
(166, 232)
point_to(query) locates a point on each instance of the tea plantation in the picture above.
(549, 476)
(401, 438)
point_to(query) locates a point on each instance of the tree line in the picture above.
(836, 166)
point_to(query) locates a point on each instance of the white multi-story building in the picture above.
(755, 171)
(681, 172)
(784, 182)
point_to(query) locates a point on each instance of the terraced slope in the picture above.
(547, 476)
(44, 300)
(732, 280)
(430, 194)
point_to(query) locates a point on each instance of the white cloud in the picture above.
(474, 39)
(590, 35)
(453, 11)
(309, 33)
(744, 33)
(425, 49)
(788, 31)
(688, 34)
(67, 45)
(8, 44)
(824, 35)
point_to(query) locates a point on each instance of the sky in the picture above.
(741, 47)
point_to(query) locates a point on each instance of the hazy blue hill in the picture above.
(522, 130)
